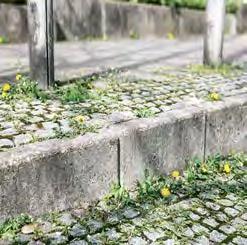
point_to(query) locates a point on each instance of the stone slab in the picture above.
(161, 145)
(13, 22)
(226, 127)
(241, 19)
(57, 175)
(78, 19)
(138, 21)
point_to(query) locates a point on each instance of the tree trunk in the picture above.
(214, 34)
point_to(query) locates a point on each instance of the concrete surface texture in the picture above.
(242, 26)
(75, 59)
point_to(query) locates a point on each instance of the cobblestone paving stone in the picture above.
(116, 98)
(187, 220)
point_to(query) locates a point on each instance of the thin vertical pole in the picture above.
(41, 42)
(214, 34)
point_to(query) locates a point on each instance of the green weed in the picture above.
(225, 70)
(134, 35)
(144, 113)
(76, 92)
(118, 195)
(80, 127)
(26, 88)
(10, 227)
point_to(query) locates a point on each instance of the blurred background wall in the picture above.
(90, 19)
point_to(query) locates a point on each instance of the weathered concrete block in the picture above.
(242, 19)
(77, 19)
(13, 22)
(231, 24)
(191, 22)
(57, 175)
(161, 145)
(226, 127)
(129, 20)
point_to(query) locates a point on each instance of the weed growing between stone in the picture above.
(225, 70)
(76, 92)
(9, 228)
(23, 89)
(200, 179)
(155, 198)
(29, 114)
(144, 113)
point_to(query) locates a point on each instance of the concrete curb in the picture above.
(63, 174)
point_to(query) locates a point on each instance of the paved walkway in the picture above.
(77, 109)
(211, 209)
(81, 58)
(212, 216)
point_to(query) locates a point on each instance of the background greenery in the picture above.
(232, 5)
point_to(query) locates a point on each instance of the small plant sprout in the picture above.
(118, 195)
(144, 113)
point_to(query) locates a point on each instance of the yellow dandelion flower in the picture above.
(79, 119)
(175, 174)
(165, 192)
(214, 96)
(18, 77)
(170, 36)
(6, 87)
(227, 168)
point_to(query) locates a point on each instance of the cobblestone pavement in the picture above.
(112, 99)
(216, 214)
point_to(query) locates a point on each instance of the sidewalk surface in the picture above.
(74, 59)
(208, 210)
(155, 80)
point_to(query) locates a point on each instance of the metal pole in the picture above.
(41, 42)
(214, 34)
